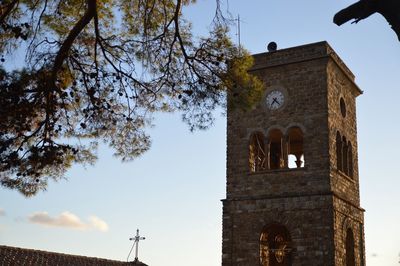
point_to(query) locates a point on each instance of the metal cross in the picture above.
(137, 238)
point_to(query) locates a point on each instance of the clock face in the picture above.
(275, 99)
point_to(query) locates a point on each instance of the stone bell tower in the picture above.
(292, 166)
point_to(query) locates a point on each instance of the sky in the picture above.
(172, 193)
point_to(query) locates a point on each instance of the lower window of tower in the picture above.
(275, 246)
(350, 260)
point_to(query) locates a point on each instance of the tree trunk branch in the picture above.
(73, 34)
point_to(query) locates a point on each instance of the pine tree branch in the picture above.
(7, 10)
(73, 34)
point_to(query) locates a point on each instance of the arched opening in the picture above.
(275, 246)
(342, 107)
(257, 152)
(350, 260)
(275, 158)
(295, 147)
(350, 159)
(292, 161)
(345, 156)
(339, 159)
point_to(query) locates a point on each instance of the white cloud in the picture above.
(65, 219)
(2, 212)
(98, 223)
(68, 220)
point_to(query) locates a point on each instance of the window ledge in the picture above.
(268, 171)
(339, 172)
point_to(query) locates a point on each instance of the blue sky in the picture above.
(172, 193)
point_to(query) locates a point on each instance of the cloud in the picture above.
(98, 223)
(2, 212)
(68, 220)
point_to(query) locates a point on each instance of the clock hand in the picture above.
(275, 101)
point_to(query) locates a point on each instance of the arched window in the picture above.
(275, 246)
(339, 152)
(350, 159)
(350, 260)
(275, 155)
(295, 147)
(257, 152)
(345, 156)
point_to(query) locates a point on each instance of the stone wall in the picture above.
(307, 218)
(348, 216)
(340, 86)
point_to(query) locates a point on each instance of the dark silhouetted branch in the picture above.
(390, 9)
(66, 46)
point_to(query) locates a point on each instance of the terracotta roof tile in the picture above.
(13, 256)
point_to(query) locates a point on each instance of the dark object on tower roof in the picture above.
(390, 9)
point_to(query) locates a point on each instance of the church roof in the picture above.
(31, 257)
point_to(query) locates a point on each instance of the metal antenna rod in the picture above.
(238, 25)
